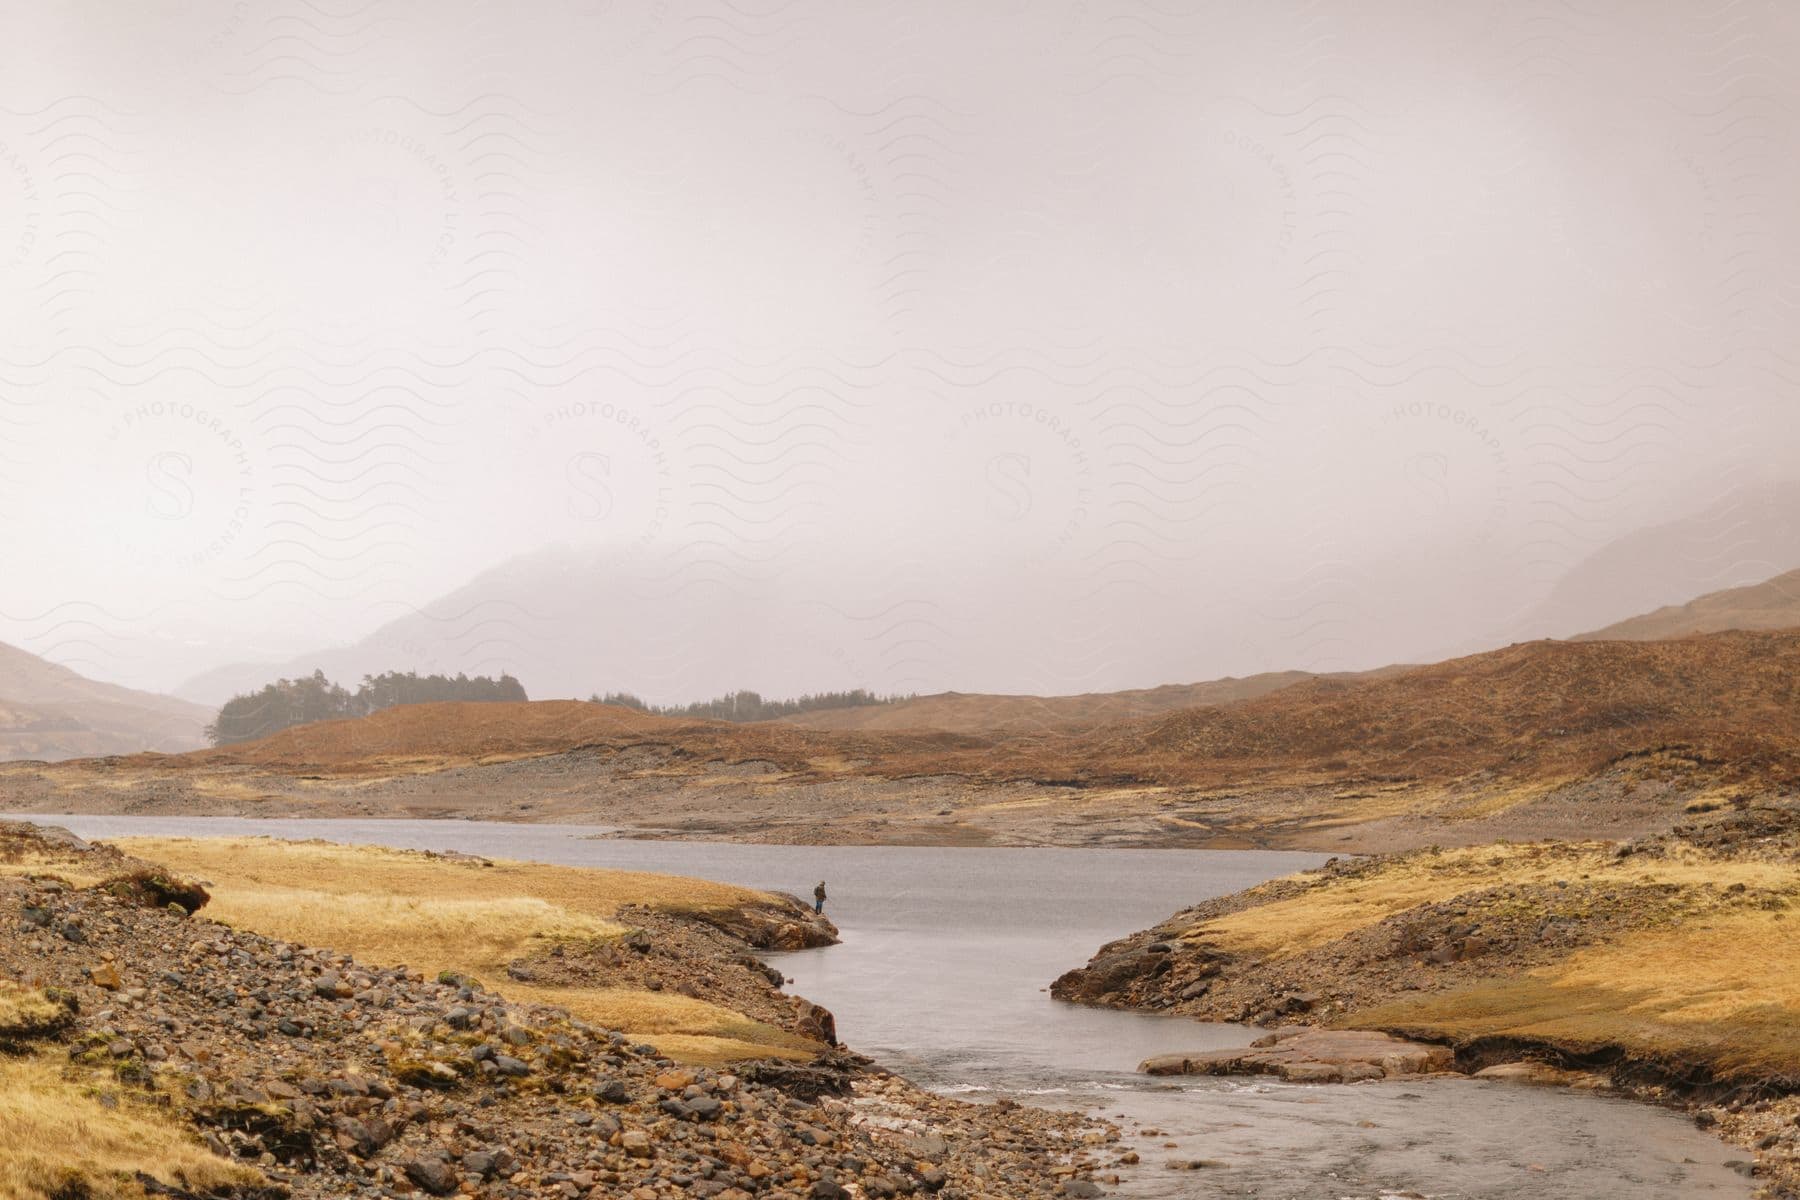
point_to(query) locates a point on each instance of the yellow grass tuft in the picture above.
(50, 864)
(1335, 908)
(1713, 969)
(709, 1032)
(436, 914)
(1710, 974)
(1332, 909)
(27, 1013)
(479, 936)
(57, 1140)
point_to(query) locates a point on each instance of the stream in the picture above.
(943, 973)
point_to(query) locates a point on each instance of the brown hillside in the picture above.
(438, 736)
(960, 712)
(1539, 710)
(48, 712)
(1540, 739)
(1773, 604)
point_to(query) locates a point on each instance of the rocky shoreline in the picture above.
(1472, 961)
(323, 1076)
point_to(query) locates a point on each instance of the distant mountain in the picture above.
(566, 623)
(49, 712)
(1773, 604)
(571, 622)
(1749, 536)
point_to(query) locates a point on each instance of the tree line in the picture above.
(289, 702)
(750, 706)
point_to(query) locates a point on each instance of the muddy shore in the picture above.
(641, 796)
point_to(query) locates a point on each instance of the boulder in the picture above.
(433, 1173)
(1306, 1055)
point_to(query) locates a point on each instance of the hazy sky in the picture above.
(1135, 341)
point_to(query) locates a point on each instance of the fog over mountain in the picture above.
(1027, 348)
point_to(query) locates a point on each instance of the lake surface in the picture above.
(942, 975)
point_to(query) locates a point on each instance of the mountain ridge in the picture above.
(50, 712)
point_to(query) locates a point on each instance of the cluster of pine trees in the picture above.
(750, 706)
(288, 702)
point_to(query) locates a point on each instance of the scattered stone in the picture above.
(341, 1078)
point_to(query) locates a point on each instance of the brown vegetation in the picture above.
(1539, 739)
(958, 712)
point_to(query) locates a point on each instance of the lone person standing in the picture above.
(819, 897)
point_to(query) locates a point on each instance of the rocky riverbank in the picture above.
(282, 1069)
(1666, 968)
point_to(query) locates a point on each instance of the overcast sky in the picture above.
(1138, 341)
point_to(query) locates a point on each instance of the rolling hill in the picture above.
(1602, 738)
(957, 712)
(1748, 534)
(1772, 604)
(1539, 711)
(50, 712)
(1535, 711)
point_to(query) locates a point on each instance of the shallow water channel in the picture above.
(942, 975)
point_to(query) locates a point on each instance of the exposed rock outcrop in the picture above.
(1306, 1055)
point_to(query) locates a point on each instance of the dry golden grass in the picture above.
(681, 1026)
(1712, 969)
(334, 869)
(1710, 974)
(27, 1012)
(435, 914)
(1331, 910)
(1756, 1040)
(34, 865)
(1339, 907)
(57, 1139)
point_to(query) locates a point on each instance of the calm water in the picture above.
(942, 975)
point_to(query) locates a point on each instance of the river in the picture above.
(942, 975)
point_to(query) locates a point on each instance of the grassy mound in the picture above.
(1680, 953)
(60, 1141)
(473, 917)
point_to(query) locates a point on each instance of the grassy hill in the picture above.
(1538, 739)
(1534, 710)
(975, 713)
